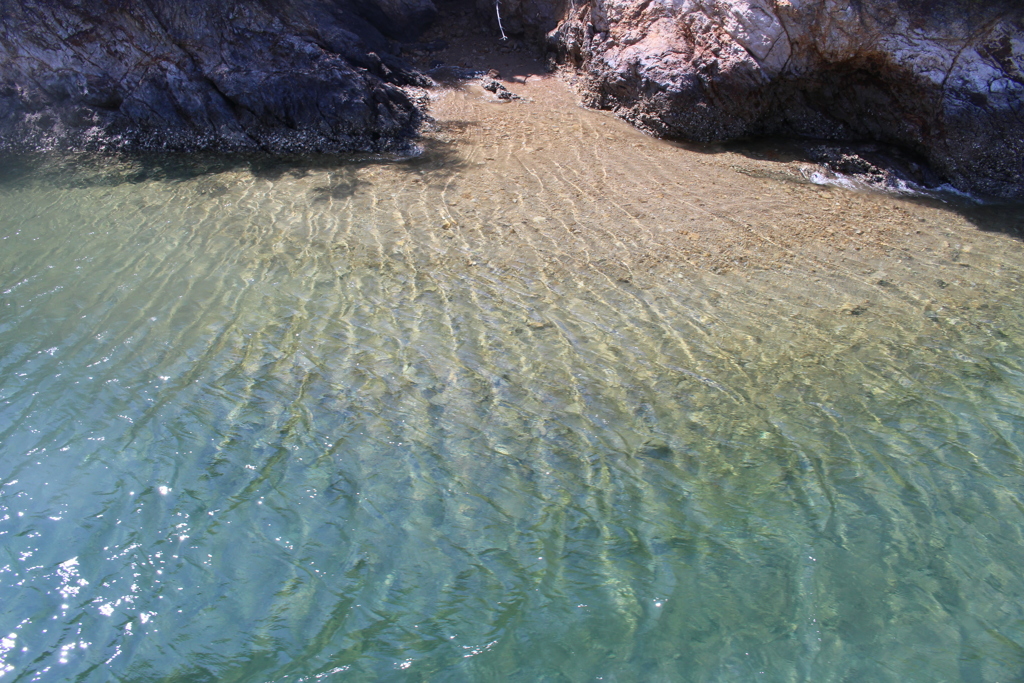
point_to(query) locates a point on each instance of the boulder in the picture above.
(292, 76)
(941, 78)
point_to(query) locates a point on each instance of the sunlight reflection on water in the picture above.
(377, 421)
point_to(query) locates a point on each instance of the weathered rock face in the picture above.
(943, 78)
(290, 76)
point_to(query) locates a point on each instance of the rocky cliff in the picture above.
(289, 76)
(942, 78)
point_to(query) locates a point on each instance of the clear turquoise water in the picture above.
(289, 426)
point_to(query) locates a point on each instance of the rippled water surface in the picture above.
(552, 402)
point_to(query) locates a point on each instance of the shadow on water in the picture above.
(435, 156)
(344, 183)
(1005, 217)
(857, 162)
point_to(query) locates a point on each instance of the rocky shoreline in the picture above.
(156, 75)
(943, 81)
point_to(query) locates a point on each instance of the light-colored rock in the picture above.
(943, 79)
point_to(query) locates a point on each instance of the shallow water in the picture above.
(524, 408)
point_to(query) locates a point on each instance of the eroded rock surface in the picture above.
(293, 76)
(944, 78)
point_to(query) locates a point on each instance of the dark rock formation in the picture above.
(531, 19)
(500, 91)
(941, 78)
(288, 76)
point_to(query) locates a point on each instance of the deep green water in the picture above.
(292, 427)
